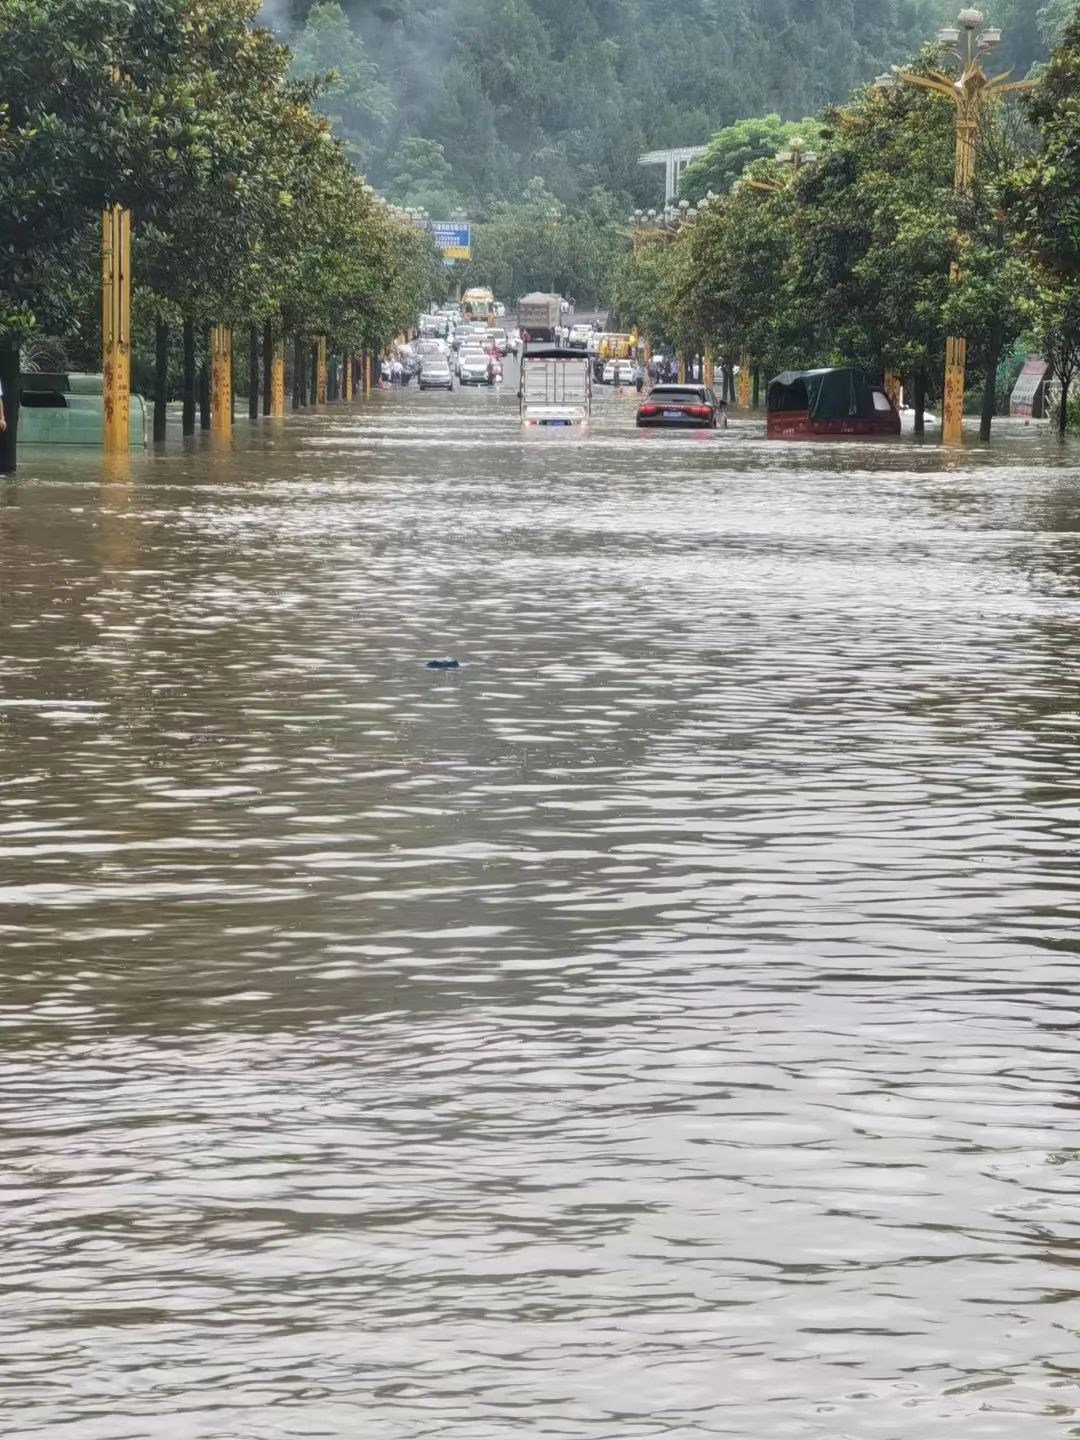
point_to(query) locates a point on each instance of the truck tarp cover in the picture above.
(826, 394)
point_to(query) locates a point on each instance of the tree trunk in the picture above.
(1063, 407)
(314, 390)
(757, 387)
(732, 397)
(9, 379)
(188, 425)
(253, 372)
(161, 379)
(989, 404)
(204, 383)
(299, 373)
(919, 400)
(267, 360)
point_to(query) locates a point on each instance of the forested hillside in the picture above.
(573, 90)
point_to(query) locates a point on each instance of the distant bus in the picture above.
(478, 304)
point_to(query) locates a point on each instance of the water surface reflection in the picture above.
(664, 1025)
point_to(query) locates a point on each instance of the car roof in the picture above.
(693, 385)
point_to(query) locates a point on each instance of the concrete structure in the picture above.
(674, 163)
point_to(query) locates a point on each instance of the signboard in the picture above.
(454, 238)
(1027, 396)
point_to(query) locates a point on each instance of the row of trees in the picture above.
(246, 209)
(848, 258)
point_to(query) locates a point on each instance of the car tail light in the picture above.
(701, 411)
(648, 410)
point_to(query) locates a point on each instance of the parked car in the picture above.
(692, 407)
(579, 337)
(435, 374)
(619, 372)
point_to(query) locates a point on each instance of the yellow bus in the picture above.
(478, 304)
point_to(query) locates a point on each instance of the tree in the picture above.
(420, 176)
(353, 98)
(100, 106)
(1059, 337)
(735, 147)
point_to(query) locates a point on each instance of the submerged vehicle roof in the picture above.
(554, 352)
(828, 394)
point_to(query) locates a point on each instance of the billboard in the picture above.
(1029, 397)
(454, 238)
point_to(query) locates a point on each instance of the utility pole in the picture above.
(116, 327)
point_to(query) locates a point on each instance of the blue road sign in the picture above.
(454, 238)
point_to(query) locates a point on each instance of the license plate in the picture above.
(556, 422)
(674, 414)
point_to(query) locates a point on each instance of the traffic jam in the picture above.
(556, 364)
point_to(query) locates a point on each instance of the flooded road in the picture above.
(664, 1025)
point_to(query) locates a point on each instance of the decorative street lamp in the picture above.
(963, 45)
(796, 154)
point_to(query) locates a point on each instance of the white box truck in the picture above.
(556, 388)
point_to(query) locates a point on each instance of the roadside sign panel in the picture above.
(454, 238)
(1026, 399)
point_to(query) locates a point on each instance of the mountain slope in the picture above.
(573, 90)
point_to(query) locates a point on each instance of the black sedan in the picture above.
(681, 407)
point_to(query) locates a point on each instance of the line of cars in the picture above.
(470, 353)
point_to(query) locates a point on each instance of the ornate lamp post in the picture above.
(964, 46)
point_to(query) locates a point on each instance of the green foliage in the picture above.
(850, 258)
(575, 92)
(735, 147)
(244, 205)
(420, 176)
(357, 104)
(536, 244)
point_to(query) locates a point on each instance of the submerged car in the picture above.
(435, 374)
(618, 372)
(681, 407)
(474, 368)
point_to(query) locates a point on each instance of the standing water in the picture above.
(665, 1024)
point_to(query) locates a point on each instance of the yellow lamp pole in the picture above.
(116, 327)
(742, 387)
(277, 378)
(967, 42)
(220, 379)
(346, 375)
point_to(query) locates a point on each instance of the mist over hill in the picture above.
(572, 91)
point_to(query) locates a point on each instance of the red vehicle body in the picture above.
(828, 405)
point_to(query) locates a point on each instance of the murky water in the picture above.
(665, 1025)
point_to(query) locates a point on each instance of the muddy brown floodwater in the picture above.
(666, 1025)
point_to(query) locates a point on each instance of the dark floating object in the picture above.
(443, 665)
